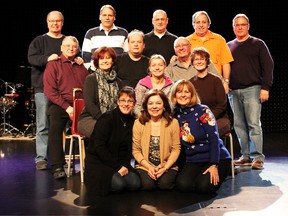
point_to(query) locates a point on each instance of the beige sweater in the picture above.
(169, 142)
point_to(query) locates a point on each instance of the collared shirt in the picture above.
(220, 53)
(97, 37)
(176, 71)
(60, 77)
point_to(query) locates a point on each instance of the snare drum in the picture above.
(7, 103)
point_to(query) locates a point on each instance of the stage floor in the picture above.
(26, 191)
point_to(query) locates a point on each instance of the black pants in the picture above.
(130, 182)
(191, 179)
(165, 182)
(58, 119)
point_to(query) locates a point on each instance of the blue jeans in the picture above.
(41, 103)
(246, 107)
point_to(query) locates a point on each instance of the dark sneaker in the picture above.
(243, 162)
(59, 173)
(41, 165)
(257, 164)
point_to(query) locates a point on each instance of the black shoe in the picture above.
(59, 173)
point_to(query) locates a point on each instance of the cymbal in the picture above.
(11, 95)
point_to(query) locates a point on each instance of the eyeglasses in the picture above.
(123, 102)
(242, 25)
(200, 59)
(52, 21)
(160, 19)
(181, 45)
(70, 47)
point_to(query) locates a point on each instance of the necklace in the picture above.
(124, 123)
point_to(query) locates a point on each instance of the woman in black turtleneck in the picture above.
(108, 155)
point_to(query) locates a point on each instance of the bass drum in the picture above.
(7, 103)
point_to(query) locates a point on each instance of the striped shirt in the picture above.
(97, 37)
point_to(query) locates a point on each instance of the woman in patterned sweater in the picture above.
(206, 160)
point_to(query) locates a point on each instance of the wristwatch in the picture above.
(226, 80)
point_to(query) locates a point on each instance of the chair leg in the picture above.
(81, 145)
(232, 154)
(64, 140)
(70, 156)
(229, 138)
(81, 153)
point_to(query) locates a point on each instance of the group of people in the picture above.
(157, 99)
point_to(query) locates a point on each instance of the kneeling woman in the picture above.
(156, 142)
(108, 155)
(207, 162)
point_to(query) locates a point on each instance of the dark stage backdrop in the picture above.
(21, 23)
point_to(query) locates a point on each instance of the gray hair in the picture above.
(240, 15)
(181, 38)
(196, 14)
(108, 6)
(72, 38)
(136, 31)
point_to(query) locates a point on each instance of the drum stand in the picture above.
(7, 102)
(6, 129)
(32, 126)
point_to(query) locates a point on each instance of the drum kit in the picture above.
(8, 102)
(30, 106)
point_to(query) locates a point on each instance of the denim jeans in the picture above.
(246, 107)
(41, 103)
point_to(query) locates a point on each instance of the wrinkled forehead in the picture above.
(135, 37)
(201, 16)
(69, 41)
(107, 11)
(181, 40)
(159, 14)
(54, 16)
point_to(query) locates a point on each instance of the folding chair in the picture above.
(228, 137)
(78, 105)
